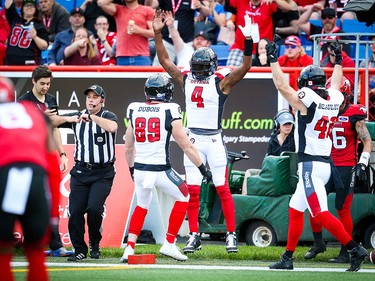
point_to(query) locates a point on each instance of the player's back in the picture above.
(152, 124)
(312, 130)
(23, 134)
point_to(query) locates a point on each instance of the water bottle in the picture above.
(31, 25)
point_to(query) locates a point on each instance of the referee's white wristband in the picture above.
(365, 158)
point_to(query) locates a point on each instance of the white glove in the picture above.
(246, 31)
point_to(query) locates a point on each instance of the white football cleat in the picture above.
(171, 250)
(129, 251)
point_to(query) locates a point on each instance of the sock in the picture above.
(137, 220)
(131, 244)
(5, 259)
(345, 214)
(193, 207)
(36, 258)
(288, 253)
(295, 229)
(176, 219)
(334, 226)
(228, 206)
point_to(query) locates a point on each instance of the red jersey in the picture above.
(23, 134)
(344, 135)
(105, 58)
(260, 14)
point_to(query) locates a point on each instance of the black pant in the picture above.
(89, 189)
(35, 219)
(341, 194)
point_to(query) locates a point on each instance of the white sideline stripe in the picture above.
(187, 266)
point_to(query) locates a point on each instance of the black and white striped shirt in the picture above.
(92, 143)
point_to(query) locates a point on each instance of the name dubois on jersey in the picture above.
(148, 109)
(325, 106)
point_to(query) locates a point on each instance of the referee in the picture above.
(93, 173)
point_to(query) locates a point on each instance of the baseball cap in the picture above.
(292, 40)
(98, 90)
(328, 12)
(77, 10)
(28, 1)
(203, 34)
(285, 117)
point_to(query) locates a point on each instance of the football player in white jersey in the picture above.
(317, 110)
(206, 91)
(147, 138)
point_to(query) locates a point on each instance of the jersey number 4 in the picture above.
(324, 126)
(196, 96)
(147, 129)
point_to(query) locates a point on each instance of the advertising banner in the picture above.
(248, 116)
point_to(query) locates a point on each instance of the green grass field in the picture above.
(211, 263)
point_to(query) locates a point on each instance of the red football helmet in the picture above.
(6, 90)
(345, 88)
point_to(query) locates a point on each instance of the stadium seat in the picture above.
(222, 52)
(362, 51)
(316, 22)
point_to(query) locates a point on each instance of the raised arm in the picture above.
(175, 35)
(239, 72)
(161, 52)
(303, 21)
(107, 6)
(337, 70)
(280, 81)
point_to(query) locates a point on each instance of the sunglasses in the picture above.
(290, 46)
(327, 17)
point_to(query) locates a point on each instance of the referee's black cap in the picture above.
(96, 89)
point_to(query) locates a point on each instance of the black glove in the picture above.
(206, 173)
(336, 49)
(271, 52)
(360, 172)
(131, 170)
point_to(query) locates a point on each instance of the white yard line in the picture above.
(187, 266)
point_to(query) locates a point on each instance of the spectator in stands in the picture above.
(93, 11)
(27, 37)
(54, 17)
(211, 23)
(81, 50)
(286, 23)
(260, 12)
(371, 64)
(282, 138)
(329, 18)
(4, 26)
(294, 56)
(260, 58)
(105, 41)
(329, 61)
(184, 16)
(338, 6)
(134, 24)
(303, 6)
(64, 38)
(183, 50)
(3, 49)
